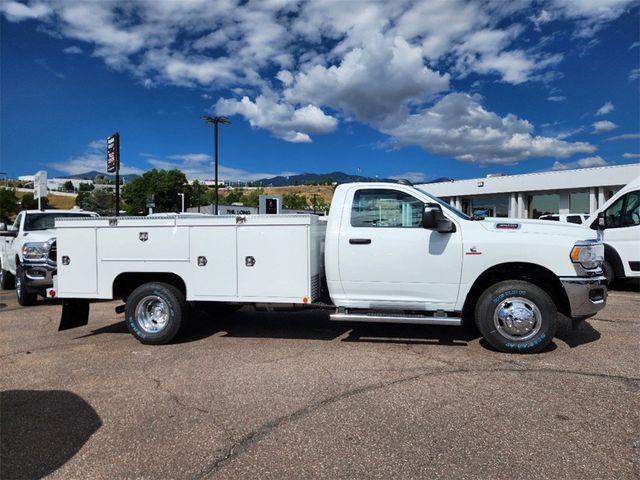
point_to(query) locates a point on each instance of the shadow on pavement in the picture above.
(315, 325)
(42, 430)
(582, 334)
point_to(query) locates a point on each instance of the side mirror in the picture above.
(434, 219)
(3, 227)
(602, 221)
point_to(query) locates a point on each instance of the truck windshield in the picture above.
(453, 210)
(45, 221)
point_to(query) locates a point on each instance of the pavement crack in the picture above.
(247, 440)
(176, 399)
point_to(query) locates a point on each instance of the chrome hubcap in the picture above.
(152, 314)
(517, 318)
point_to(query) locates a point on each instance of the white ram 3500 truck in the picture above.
(387, 253)
(28, 252)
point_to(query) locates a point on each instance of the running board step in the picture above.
(382, 318)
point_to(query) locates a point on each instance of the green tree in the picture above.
(9, 206)
(163, 184)
(101, 201)
(294, 201)
(68, 186)
(252, 197)
(30, 203)
(199, 195)
(232, 196)
(86, 187)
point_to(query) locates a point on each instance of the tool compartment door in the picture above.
(273, 262)
(213, 262)
(78, 278)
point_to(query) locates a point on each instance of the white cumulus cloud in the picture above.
(603, 126)
(458, 125)
(606, 108)
(282, 119)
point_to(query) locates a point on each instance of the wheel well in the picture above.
(536, 274)
(127, 282)
(611, 255)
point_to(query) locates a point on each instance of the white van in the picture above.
(622, 233)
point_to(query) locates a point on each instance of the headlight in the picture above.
(36, 250)
(588, 254)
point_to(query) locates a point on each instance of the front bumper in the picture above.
(587, 295)
(38, 274)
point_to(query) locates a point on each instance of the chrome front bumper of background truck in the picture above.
(587, 295)
(38, 274)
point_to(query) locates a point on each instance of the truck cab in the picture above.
(28, 252)
(622, 233)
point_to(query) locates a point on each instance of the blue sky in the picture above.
(445, 88)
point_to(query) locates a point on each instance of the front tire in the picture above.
(7, 281)
(608, 272)
(155, 313)
(515, 316)
(25, 298)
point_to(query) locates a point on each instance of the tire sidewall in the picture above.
(494, 295)
(175, 303)
(607, 270)
(25, 298)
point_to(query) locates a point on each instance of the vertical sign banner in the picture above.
(113, 153)
(40, 184)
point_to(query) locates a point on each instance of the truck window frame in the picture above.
(18, 222)
(416, 219)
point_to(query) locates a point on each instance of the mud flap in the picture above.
(75, 313)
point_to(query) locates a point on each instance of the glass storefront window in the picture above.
(543, 204)
(579, 202)
(490, 207)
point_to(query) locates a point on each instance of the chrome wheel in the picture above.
(152, 313)
(18, 285)
(517, 318)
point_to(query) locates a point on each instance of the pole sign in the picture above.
(113, 153)
(40, 184)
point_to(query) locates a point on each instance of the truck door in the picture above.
(387, 260)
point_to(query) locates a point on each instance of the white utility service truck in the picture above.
(385, 253)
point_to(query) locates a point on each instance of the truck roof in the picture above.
(53, 210)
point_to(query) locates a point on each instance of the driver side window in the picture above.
(632, 210)
(386, 208)
(624, 212)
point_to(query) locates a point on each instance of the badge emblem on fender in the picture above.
(143, 236)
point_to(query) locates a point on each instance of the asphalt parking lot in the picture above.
(293, 395)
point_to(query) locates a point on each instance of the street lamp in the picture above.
(215, 121)
(182, 198)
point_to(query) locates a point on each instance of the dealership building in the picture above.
(530, 195)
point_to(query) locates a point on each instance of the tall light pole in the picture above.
(215, 121)
(181, 195)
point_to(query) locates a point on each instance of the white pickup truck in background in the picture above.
(28, 252)
(386, 253)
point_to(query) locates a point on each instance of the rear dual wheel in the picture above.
(156, 313)
(515, 316)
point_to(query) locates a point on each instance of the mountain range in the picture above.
(279, 181)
